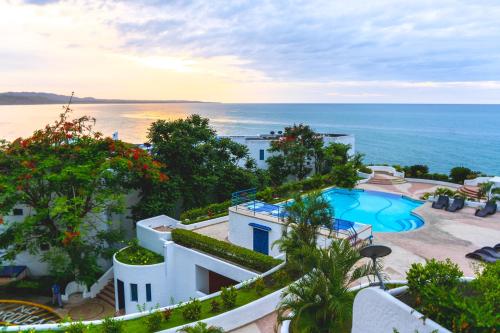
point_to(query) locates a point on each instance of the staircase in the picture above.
(108, 293)
(385, 179)
(470, 191)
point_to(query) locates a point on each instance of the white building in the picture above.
(259, 144)
(185, 273)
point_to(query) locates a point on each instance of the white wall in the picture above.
(241, 233)
(388, 169)
(153, 239)
(378, 311)
(183, 264)
(140, 275)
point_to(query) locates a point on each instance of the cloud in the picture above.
(257, 50)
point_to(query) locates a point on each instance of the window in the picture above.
(261, 153)
(148, 292)
(133, 292)
(17, 212)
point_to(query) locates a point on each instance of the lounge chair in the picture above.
(443, 201)
(489, 209)
(480, 256)
(490, 251)
(457, 204)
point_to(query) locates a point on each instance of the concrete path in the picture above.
(263, 325)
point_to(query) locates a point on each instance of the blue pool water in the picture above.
(386, 212)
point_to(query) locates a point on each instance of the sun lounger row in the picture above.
(486, 254)
(443, 202)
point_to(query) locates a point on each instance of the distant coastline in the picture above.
(37, 98)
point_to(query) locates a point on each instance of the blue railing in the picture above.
(240, 197)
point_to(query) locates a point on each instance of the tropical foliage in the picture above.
(201, 328)
(72, 180)
(461, 307)
(203, 167)
(321, 301)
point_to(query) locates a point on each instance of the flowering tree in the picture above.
(71, 179)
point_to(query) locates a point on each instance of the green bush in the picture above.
(192, 310)
(76, 327)
(214, 306)
(237, 254)
(444, 191)
(167, 313)
(459, 174)
(110, 325)
(365, 169)
(459, 306)
(153, 321)
(207, 212)
(137, 255)
(228, 296)
(433, 273)
(259, 286)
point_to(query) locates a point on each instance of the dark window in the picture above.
(148, 292)
(133, 292)
(17, 212)
(261, 154)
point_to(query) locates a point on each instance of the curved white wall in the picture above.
(378, 311)
(140, 275)
(388, 169)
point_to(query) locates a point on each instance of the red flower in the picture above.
(163, 177)
(136, 154)
(69, 136)
(145, 166)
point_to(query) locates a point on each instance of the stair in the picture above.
(108, 293)
(384, 179)
(470, 191)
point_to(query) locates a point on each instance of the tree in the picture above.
(72, 179)
(335, 154)
(299, 146)
(487, 190)
(321, 300)
(344, 175)
(459, 174)
(305, 217)
(204, 167)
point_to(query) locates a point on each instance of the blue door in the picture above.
(260, 241)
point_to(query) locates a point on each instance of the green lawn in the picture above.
(245, 295)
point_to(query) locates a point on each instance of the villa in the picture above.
(259, 144)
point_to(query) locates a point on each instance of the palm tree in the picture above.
(485, 190)
(305, 216)
(321, 301)
(201, 327)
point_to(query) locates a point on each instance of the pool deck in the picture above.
(444, 234)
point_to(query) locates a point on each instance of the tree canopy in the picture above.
(71, 179)
(204, 167)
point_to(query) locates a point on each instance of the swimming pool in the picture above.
(386, 212)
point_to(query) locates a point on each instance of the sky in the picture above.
(331, 51)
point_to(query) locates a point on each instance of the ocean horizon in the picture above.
(439, 135)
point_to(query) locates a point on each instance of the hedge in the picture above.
(237, 254)
(269, 194)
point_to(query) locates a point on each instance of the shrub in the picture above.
(75, 327)
(153, 321)
(192, 309)
(201, 328)
(215, 306)
(228, 296)
(110, 325)
(416, 171)
(461, 307)
(211, 211)
(365, 169)
(433, 273)
(281, 278)
(224, 250)
(444, 191)
(259, 286)
(459, 174)
(137, 255)
(167, 314)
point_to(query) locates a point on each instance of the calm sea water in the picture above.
(441, 136)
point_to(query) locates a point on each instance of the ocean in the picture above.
(441, 136)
